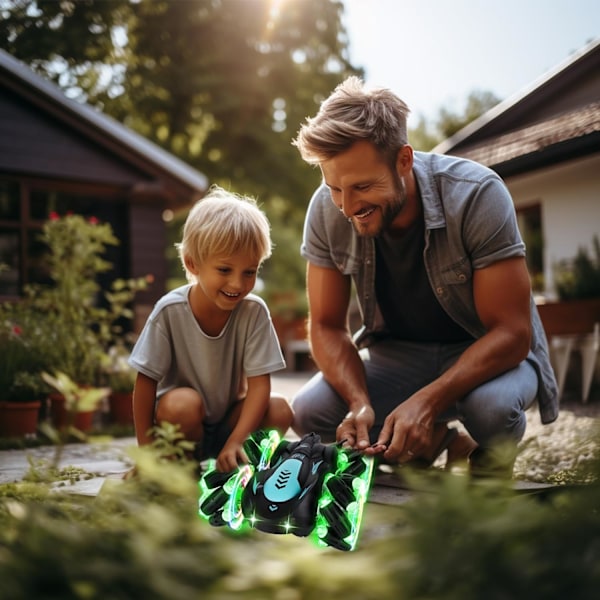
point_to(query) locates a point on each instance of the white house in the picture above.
(545, 143)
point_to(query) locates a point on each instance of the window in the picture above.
(530, 225)
(24, 206)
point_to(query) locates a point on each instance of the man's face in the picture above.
(364, 188)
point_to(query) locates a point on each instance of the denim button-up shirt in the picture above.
(470, 224)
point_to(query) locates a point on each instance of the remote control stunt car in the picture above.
(306, 488)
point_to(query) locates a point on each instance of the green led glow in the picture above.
(269, 445)
(233, 492)
(342, 461)
(232, 513)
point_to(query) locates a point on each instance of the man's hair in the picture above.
(350, 114)
(223, 224)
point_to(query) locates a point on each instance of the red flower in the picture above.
(17, 330)
(93, 221)
(54, 216)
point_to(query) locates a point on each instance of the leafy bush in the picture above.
(142, 539)
(580, 278)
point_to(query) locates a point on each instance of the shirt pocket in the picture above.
(458, 273)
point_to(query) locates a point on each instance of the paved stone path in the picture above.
(110, 460)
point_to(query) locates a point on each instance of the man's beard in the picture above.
(389, 211)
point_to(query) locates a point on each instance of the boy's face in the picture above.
(226, 280)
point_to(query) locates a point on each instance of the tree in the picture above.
(478, 102)
(224, 85)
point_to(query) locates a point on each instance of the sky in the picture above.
(434, 53)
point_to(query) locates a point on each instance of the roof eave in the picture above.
(104, 130)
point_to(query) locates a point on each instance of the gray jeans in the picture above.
(395, 370)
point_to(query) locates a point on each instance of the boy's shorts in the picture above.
(215, 436)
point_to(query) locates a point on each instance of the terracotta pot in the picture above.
(121, 408)
(59, 416)
(570, 316)
(19, 419)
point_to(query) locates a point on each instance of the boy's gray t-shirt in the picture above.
(174, 351)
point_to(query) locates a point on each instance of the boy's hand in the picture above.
(231, 456)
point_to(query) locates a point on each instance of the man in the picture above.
(450, 329)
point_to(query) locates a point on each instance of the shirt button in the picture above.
(439, 290)
(462, 277)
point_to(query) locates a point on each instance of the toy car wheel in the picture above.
(221, 493)
(341, 504)
(260, 448)
(213, 502)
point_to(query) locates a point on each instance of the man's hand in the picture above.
(354, 429)
(406, 433)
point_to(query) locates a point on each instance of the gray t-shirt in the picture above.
(174, 351)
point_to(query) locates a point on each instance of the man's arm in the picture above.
(334, 351)
(502, 296)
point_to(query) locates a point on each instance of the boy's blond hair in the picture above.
(223, 224)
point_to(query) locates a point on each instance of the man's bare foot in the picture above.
(460, 449)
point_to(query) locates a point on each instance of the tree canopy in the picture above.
(222, 84)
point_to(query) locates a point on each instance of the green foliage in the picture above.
(483, 541)
(478, 102)
(67, 307)
(579, 278)
(22, 348)
(70, 326)
(118, 375)
(142, 538)
(222, 85)
(77, 399)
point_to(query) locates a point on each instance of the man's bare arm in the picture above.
(334, 351)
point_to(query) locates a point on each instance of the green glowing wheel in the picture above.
(340, 507)
(305, 488)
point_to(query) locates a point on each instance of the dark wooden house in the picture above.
(63, 156)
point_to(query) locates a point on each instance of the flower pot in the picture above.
(59, 416)
(19, 419)
(570, 317)
(121, 408)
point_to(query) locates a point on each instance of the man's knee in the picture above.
(489, 417)
(317, 410)
(301, 423)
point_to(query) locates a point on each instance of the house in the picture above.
(545, 143)
(59, 155)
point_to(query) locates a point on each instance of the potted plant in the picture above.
(21, 387)
(578, 287)
(78, 400)
(120, 378)
(78, 323)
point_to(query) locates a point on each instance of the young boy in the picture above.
(205, 355)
